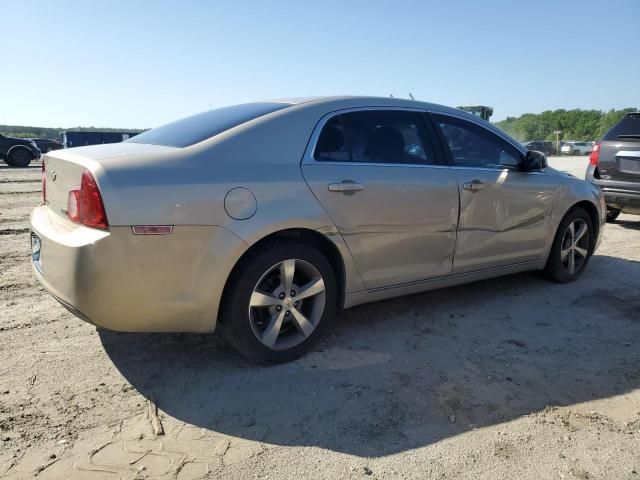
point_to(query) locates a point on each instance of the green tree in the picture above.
(575, 124)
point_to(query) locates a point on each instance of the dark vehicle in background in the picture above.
(539, 146)
(481, 111)
(46, 144)
(80, 138)
(18, 152)
(614, 165)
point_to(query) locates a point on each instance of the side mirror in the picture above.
(534, 161)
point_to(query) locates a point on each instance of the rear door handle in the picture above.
(346, 186)
(474, 185)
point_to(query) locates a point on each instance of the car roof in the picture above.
(345, 101)
(329, 104)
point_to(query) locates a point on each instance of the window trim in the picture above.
(447, 151)
(309, 159)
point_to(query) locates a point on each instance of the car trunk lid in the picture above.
(63, 169)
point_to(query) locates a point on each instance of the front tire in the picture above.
(572, 247)
(19, 157)
(279, 302)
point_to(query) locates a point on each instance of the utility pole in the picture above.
(558, 133)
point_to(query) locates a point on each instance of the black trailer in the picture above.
(73, 138)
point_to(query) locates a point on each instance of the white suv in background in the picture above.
(576, 148)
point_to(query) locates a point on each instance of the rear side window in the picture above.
(627, 127)
(375, 136)
(194, 129)
(476, 147)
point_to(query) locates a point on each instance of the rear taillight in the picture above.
(85, 205)
(595, 154)
(44, 183)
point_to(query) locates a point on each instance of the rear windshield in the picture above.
(191, 130)
(628, 127)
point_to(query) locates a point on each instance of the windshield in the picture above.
(194, 129)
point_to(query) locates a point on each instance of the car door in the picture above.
(504, 212)
(375, 173)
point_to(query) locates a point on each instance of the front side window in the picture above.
(375, 136)
(476, 147)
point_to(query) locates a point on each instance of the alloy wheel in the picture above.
(287, 304)
(575, 246)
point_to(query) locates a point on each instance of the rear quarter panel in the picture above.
(188, 186)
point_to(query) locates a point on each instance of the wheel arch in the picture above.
(592, 210)
(302, 235)
(11, 149)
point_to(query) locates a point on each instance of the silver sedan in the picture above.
(262, 219)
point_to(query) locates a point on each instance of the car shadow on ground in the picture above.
(407, 372)
(632, 224)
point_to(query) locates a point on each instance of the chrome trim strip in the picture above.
(365, 164)
(487, 169)
(628, 153)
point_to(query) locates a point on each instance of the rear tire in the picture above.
(612, 215)
(572, 247)
(19, 157)
(285, 277)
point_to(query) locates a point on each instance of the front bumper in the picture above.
(136, 283)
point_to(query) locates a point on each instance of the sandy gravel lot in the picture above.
(510, 378)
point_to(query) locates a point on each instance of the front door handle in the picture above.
(474, 185)
(346, 186)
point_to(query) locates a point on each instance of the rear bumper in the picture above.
(626, 201)
(125, 282)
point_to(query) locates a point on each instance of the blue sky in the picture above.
(143, 63)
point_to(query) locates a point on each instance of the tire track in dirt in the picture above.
(13, 231)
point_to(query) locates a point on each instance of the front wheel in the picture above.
(572, 247)
(279, 302)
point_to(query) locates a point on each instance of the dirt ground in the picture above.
(508, 378)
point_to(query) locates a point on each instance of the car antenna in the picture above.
(411, 96)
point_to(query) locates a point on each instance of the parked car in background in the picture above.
(261, 219)
(539, 146)
(576, 148)
(46, 144)
(18, 152)
(72, 138)
(614, 166)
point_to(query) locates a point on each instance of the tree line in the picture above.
(580, 125)
(54, 133)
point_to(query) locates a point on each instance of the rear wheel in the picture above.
(612, 214)
(572, 247)
(279, 303)
(19, 157)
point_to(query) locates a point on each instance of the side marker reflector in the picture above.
(152, 229)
